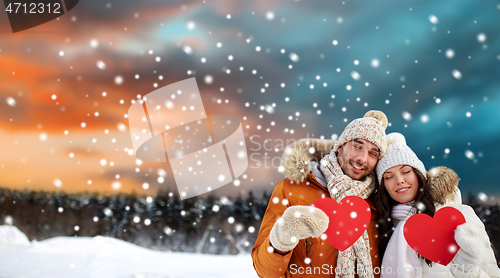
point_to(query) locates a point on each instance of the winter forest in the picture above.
(212, 225)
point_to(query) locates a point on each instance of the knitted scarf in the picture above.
(340, 186)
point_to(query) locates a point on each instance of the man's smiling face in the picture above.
(357, 158)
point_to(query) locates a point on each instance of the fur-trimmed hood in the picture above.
(297, 157)
(443, 185)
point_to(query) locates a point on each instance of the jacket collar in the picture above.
(297, 157)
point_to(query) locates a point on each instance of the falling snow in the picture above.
(279, 88)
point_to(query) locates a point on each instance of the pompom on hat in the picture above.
(398, 153)
(370, 128)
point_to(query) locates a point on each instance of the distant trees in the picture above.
(217, 225)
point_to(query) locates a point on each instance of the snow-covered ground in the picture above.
(108, 257)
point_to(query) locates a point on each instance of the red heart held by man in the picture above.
(434, 238)
(348, 220)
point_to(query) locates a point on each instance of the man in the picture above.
(288, 243)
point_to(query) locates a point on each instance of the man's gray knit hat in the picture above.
(370, 128)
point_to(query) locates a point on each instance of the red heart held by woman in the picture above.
(434, 238)
(348, 220)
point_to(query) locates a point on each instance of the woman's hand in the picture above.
(469, 256)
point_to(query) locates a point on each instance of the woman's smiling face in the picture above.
(401, 182)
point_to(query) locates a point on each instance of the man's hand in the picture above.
(296, 223)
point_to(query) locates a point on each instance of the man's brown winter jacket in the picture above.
(312, 257)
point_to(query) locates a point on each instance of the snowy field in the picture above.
(107, 257)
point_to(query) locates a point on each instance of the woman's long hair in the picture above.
(385, 204)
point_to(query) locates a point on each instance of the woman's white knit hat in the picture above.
(370, 128)
(398, 153)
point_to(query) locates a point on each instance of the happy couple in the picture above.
(289, 242)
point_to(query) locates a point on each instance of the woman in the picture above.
(405, 188)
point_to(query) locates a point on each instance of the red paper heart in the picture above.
(434, 238)
(348, 220)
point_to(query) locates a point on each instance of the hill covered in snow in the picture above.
(108, 257)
